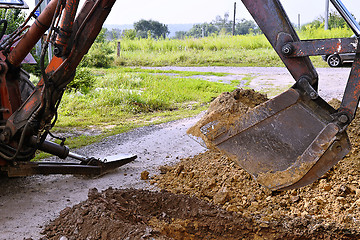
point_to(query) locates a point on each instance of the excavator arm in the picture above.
(275, 24)
(27, 122)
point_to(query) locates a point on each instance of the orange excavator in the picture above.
(287, 142)
(293, 139)
(28, 112)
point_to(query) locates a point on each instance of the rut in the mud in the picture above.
(233, 205)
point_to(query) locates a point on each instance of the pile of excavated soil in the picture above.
(209, 197)
(140, 214)
(332, 200)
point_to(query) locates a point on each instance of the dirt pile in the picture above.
(140, 214)
(332, 200)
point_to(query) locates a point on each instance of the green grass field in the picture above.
(243, 50)
(127, 98)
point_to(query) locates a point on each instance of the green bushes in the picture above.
(320, 33)
(99, 55)
(83, 81)
(216, 50)
(221, 42)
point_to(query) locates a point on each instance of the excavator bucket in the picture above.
(287, 142)
(296, 137)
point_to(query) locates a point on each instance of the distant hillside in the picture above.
(172, 27)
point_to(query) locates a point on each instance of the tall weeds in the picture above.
(212, 43)
(242, 50)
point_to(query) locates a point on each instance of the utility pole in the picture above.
(233, 28)
(299, 25)
(326, 14)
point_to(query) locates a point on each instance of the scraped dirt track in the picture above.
(44, 189)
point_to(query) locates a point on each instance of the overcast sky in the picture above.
(199, 11)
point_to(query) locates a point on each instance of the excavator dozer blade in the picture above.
(287, 142)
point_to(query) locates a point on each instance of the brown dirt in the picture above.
(232, 205)
(332, 200)
(141, 214)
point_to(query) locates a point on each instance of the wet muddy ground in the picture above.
(27, 205)
(141, 214)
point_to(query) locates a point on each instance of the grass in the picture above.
(125, 98)
(241, 51)
(213, 43)
(227, 57)
(319, 33)
(179, 73)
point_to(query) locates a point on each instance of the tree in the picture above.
(335, 21)
(180, 34)
(202, 30)
(99, 54)
(113, 34)
(101, 37)
(14, 17)
(224, 25)
(155, 28)
(245, 27)
(129, 34)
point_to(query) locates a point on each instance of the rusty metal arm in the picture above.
(334, 46)
(275, 24)
(273, 21)
(299, 49)
(320, 47)
(351, 96)
(61, 69)
(350, 101)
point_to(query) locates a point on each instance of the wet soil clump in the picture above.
(223, 112)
